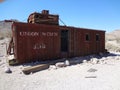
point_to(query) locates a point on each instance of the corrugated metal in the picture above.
(36, 42)
(78, 45)
(41, 42)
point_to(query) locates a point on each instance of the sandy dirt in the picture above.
(103, 75)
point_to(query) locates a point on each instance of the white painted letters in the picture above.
(29, 33)
(39, 46)
(33, 34)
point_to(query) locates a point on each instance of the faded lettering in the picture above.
(47, 34)
(29, 33)
(39, 46)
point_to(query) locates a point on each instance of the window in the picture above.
(97, 37)
(87, 37)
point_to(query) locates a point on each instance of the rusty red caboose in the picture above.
(42, 38)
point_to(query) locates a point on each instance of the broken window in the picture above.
(97, 37)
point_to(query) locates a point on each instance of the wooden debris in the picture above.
(12, 62)
(35, 68)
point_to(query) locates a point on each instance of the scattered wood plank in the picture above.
(35, 68)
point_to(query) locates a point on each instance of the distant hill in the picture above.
(5, 28)
(113, 40)
(113, 35)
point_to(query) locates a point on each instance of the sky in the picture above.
(94, 14)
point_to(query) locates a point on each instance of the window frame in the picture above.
(97, 37)
(87, 37)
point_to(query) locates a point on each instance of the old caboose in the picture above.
(42, 38)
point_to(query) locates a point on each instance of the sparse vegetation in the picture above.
(5, 30)
(112, 47)
(113, 41)
(5, 34)
(118, 40)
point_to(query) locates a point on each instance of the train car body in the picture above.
(42, 42)
(33, 41)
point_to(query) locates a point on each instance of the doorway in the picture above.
(64, 40)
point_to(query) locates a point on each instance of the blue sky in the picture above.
(95, 14)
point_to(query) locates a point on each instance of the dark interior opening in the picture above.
(64, 40)
(97, 37)
(87, 37)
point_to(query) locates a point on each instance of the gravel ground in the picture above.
(96, 74)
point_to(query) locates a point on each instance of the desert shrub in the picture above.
(5, 34)
(118, 40)
(111, 47)
(1, 38)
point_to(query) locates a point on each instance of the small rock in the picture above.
(105, 62)
(60, 64)
(67, 63)
(7, 70)
(104, 58)
(94, 61)
(20, 72)
(10, 57)
(102, 61)
(31, 73)
(108, 58)
(84, 61)
(117, 58)
(21, 67)
(52, 67)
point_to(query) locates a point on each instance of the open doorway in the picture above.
(64, 40)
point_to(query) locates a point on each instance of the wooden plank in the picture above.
(35, 68)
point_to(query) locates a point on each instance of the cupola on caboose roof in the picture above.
(43, 18)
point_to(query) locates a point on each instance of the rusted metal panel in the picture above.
(36, 42)
(71, 42)
(83, 47)
(42, 42)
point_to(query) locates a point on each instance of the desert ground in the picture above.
(95, 72)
